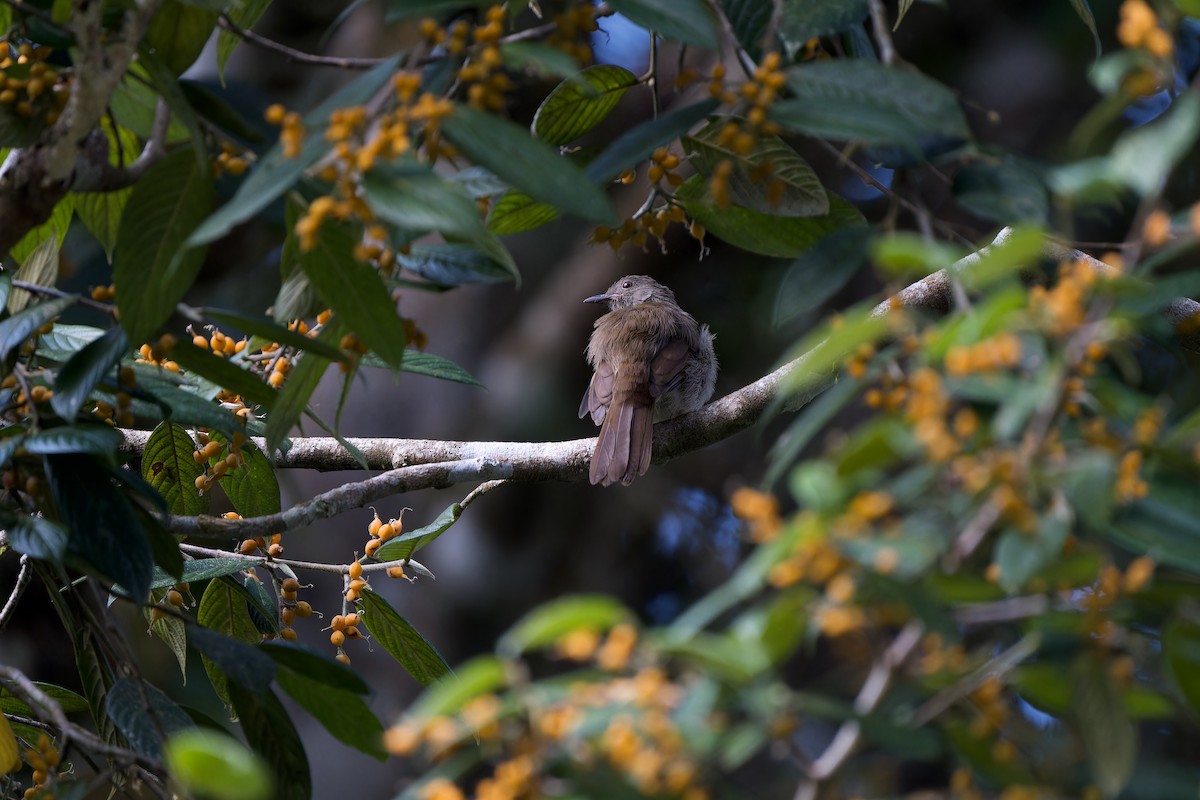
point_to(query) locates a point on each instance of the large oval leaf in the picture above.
(532, 166)
(581, 103)
(168, 465)
(151, 268)
(859, 100)
(401, 639)
(782, 237)
(802, 195)
(687, 21)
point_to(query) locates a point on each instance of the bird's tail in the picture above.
(624, 444)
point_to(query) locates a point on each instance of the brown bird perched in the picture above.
(651, 362)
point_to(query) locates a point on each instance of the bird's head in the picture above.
(633, 290)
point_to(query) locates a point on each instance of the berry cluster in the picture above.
(30, 86)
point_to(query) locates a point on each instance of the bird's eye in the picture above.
(627, 284)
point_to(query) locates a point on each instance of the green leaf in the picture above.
(749, 20)
(84, 371)
(1021, 555)
(65, 341)
(549, 622)
(144, 715)
(253, 487)
(636, 144)
(1144, 157)
(405, 545)
(905, 254)
(428, 364)
(150, 268)
(271, 733)
(1109, 736)
(901, 11)
(783, 237)
(19, 327)
(729, 658)
(178, 32)
(171, 631)
(69, 701)
(271, 331)
(801, 20)
(821, 271)
(581, 103)
(1003, 192)
(203, 570)
(273, 174)
(95, 439)
(244, 14)
(421, 202)
(301, 383)
(452, 265)
(54, 228)
(38, 537)
(105, 533)
(802, 195)
(401, 639)
(317, 666)
(167, 84)
(183, 407)
(342, 713)
(777, 627)
(168, 465)
(517, 212)
(543, 58)
(243, 664)
(208, 763)
(223, 609)
(39, 267)
(355, 292)
(513, 155)
(18, 131)
(686, 21)
(481, 675)
(859, 100)
(213, 109)
(101, 212)
(224, 373)
(1181, 649)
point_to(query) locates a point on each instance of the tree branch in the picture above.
(414, 464)
(869, 696)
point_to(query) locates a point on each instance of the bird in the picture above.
(651, 361)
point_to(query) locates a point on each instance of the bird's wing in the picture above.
(599, 393)
(666, 368)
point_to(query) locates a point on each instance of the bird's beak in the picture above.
(597, 298)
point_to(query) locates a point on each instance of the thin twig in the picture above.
(50, 291)
(297, 56)
(883, 32)
(10, 605)
(25, 690)
(869, 696)
(973, 533)
(478, 491)
(312, 566)
(887, 191)
(1001, 664)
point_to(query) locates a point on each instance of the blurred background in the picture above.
(1021, 71)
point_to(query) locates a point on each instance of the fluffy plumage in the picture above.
(651, 362)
